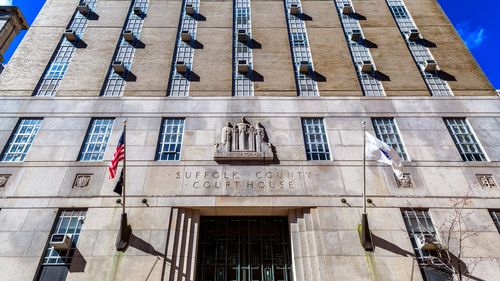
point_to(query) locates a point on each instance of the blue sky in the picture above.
(476, 21)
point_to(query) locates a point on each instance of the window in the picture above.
(315, 139)
(306, 85)
(184, 52)
(58, 66)
(115, 82)
(420, 53)
(387, 131)
(467, 145)
(57, 70)
(56, 261)
(95, 142)
(495, 215)
(421, 229)
(68, 222)
(299, 40)
(242, 13)
(399, 12)
(242, 80)
(170, 141)
(21, 139)
(370, 84)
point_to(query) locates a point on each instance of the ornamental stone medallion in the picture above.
(243, 142)
(3, 180)
(82, 180)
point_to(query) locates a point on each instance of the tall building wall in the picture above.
(323, 230)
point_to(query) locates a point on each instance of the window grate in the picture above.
(306, 85)
(184, 52)
(68, 222)
(115, 82)
(315, 139)
(242, 82)
(387, 131)
(369, 81)
(420, 53)
(170, 141)
(95, 142)
(58, 66)
(21, 139)
(467, 144)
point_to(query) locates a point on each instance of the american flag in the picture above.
(117, 157)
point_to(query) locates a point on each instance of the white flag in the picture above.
(383, 153)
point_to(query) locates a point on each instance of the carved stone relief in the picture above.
(405, 182)
(3, 180)
(82, 180)
(244, 142)
(486, 181)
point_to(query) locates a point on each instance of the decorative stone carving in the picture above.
(82, 180)
(3, 180)
(243, 142)
(405, 182)
(486, 181)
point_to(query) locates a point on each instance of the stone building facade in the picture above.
(286, 203)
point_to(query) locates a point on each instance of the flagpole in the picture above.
(365, 233)
(125, 230)
(363, 124)
(124, 163)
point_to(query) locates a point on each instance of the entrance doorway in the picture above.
(244, 249)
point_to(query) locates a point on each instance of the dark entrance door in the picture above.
(244, 249)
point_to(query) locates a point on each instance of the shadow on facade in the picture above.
(458, 264)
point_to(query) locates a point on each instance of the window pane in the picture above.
(169, 147)
(95, 142)
(467, 144)
(315, 139)
(68, 222)
(420, 227)
(21, 140)
(387, 131)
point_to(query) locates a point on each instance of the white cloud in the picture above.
(5, 2)
(472, 38)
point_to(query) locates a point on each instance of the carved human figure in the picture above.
(236, 138)
(243, 133)
(251, 138)
(260, 136)
(226, 136)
